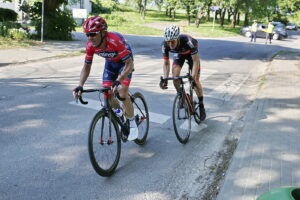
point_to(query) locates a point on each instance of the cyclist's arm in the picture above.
(166, 68)
(85, 72)
(127, 69)
(196, 65)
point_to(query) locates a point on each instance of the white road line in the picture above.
(158, 118)
(95, 105)
(228, 88)
(205, 73)
(194, 126)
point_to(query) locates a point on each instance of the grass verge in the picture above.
(6, 43)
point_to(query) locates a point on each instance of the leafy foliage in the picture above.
(103, 6)
(58, 24)
(114, 20)
(7, 15)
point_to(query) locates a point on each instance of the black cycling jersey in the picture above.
(186, 45)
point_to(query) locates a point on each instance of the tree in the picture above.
(159, 4)
(58, 24)
(171, 6)
(189, 6)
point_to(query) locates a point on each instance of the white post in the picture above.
(42, 25)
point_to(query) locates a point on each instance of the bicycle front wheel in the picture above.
(141, 115)
(104, 144)
(196, 109)
(181, 119)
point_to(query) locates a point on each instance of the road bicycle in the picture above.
(184, 107)
(107, 130)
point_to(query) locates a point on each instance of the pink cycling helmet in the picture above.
(94, 24)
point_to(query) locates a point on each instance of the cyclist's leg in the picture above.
(178, 61)
(198, 87)
(108, 77)
(128, 106)
(196, 73)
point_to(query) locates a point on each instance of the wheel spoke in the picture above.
(141, 116)
(104, 144)
(181, 119)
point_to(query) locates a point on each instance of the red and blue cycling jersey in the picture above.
(116, 49)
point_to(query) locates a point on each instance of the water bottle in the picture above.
(119, 113)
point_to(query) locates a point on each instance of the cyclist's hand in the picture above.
(115, 85)
(77, 91)
(163, 83)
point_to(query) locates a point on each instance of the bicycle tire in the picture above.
(182, 126)
(97, 147)
(141, 114)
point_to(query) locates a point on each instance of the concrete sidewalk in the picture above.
(268, 152)
(48, 50)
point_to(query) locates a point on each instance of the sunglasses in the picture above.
(93, 34)
(171, 41)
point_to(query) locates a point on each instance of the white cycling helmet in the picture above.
(171, 33)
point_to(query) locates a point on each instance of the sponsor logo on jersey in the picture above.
(163, 49)
(108, 54)
(191, 45)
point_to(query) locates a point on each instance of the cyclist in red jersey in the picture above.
(118, 65)
(184, 48)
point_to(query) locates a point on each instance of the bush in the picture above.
(280, 18)
(3, 31)
(103, 6)
(58, 25)
(12, 29)
(8, 15)
(17, 34)
(114, 20)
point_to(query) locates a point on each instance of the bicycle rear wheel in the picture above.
(104, 144)
(181, 119)
(141, 116)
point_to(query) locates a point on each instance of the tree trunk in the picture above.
(246, 20)
(145, 8)
(229, 12)
(216, 14)
(50, 5)
(222, 17)
(208, 13)
(235, 13)
(198, 17)
(188, 14)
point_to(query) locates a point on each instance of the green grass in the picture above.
(6, 43)
(207, 30)
(135, 25)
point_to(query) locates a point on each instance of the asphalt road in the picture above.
(43, 134)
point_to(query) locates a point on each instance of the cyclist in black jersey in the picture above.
(184, 48)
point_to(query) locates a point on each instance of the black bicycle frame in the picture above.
(108, 109)
(189, 97)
